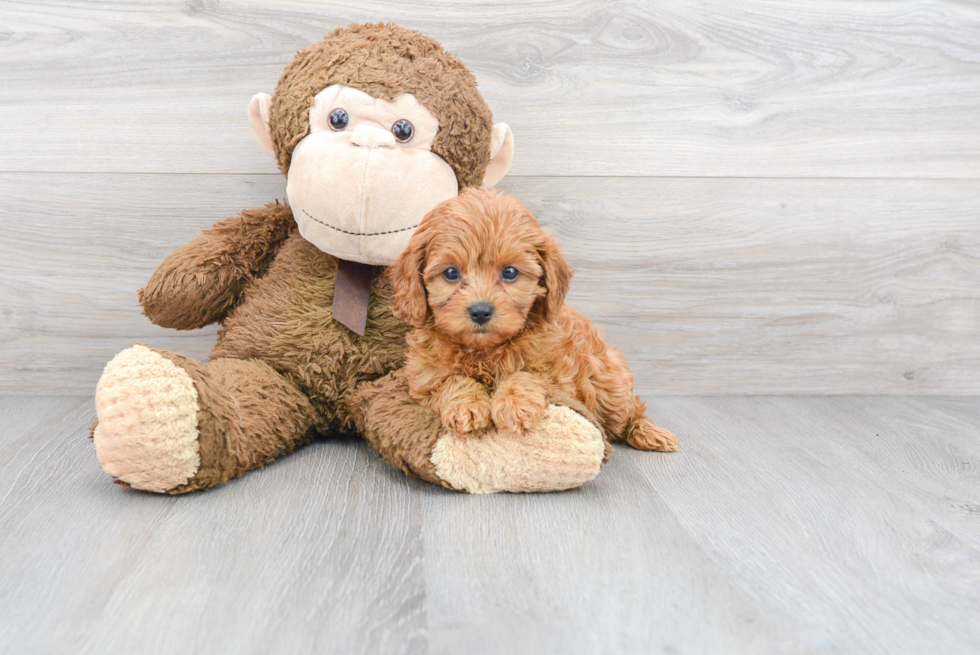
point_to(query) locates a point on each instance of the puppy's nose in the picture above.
(481, 312)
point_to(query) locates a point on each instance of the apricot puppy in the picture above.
(484, 287)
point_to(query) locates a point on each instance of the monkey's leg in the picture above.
(565, 450)
(170, 425)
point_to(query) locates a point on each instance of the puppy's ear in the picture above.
(557, 276)
(409, 302)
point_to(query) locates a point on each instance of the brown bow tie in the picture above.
(352, 293)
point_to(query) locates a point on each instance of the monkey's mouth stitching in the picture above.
(359, 234)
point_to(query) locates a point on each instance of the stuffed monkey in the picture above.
(372, 127)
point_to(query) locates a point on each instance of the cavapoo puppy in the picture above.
(484, 287)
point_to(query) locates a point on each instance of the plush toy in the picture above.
(372, 127)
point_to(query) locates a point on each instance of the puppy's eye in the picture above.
(509, 273)
(451, 274)
(403, 131)
(339, 118)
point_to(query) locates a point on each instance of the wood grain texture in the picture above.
(747, 88)
(708, 285)
(810, 495)
(784, 525)
(605, 569)
(648, 138)
(320, 555)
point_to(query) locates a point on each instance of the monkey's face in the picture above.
(360, 182)
(363, 170)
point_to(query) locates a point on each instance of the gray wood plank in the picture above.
(795, 525)
(318, 553)
(709, 285)
(27, 426)
(852, 519)
(603, 569)
(756, 88)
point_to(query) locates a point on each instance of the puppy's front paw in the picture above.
(517, 410)
(468, 416)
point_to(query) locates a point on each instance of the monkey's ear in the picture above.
(501, 154)
(258, 116)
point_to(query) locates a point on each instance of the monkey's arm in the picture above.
(199, 283)
(565, 450)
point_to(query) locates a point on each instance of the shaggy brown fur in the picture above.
(417, 428)
(385, 61)
(283, 370)
(282, 367)
(249, 416)
(485, 250)
(200, 283)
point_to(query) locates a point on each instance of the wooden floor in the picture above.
(785, 525)
(759, 197)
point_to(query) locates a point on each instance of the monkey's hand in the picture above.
(201, 282)
(519, 402)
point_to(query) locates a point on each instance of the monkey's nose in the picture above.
(480, 312)
(372, 137)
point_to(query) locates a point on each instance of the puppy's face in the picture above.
(482, 266)
(481, 293)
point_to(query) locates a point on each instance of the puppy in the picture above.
(484, 287)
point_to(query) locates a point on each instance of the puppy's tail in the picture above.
(642, 434)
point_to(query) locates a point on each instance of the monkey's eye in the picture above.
(339, 119)
(509, 273)
(451, 274)
(403, 131)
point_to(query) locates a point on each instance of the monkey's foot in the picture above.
(563, 451)
(147, 432)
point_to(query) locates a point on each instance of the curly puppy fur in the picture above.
(485, 253)
(385, 61)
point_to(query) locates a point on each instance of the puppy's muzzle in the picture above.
(481, 312)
